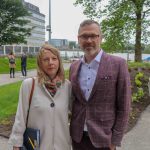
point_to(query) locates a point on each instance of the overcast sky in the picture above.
(65, 17)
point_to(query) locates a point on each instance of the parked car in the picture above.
(146, 59)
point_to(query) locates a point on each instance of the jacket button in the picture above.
(52, 104)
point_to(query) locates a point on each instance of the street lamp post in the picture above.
(149, 86)
(48, 28)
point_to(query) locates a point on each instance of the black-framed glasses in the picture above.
(91, 36)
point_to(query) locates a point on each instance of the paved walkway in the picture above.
(5, 78)
(137, 139)
(3, 143)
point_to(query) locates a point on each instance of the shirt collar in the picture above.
(97, 58)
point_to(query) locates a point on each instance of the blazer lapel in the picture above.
(75, 80)
(100, 75)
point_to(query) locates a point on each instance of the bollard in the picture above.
(149, 86)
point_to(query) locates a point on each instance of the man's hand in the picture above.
(112, 147)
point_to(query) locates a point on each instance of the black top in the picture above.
(23, 60)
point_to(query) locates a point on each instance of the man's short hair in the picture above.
(89, 22)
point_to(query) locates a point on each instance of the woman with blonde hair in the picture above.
(49, 106)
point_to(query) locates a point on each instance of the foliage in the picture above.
(122, 20)
(147, 51)
(138, 78)
(13, 27)
(67, 74)
(72, 44)
(137, 96)
(139, 64)
(140, 93)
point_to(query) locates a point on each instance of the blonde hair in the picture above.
(42, 76)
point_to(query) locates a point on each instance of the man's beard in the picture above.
(89, 49)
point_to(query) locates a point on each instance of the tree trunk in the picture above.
(138, 48)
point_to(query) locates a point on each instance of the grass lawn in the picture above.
(8, 99)
(4, 64)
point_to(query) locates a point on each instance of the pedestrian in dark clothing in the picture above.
(24, 64)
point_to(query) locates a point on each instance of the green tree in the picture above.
(13, 27)
(121, 21)
(147, 49)
(72, 44)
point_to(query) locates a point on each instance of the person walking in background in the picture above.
(102, 94)
(24, 64)
(50, 104)
(12, 64)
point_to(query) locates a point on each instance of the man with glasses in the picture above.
(102, 94)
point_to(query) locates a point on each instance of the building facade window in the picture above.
(37, 21)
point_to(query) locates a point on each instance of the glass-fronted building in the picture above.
(37, 21)
(63, 43)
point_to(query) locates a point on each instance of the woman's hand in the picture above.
(16, 148)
